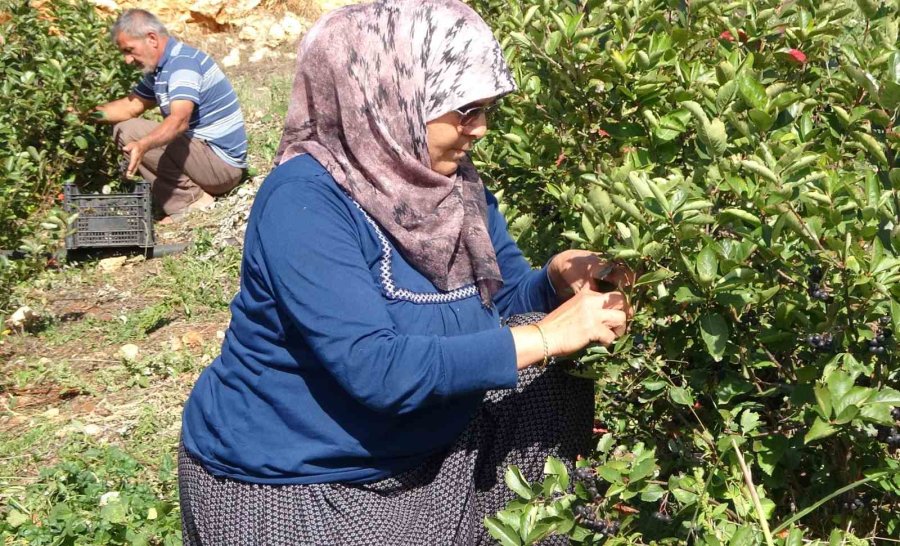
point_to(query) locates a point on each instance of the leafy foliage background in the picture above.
(742, 157)
(56, 63)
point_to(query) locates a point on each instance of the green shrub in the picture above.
(101, 496)
(56, 63)
(742, 157)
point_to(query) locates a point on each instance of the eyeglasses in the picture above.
(470, 114)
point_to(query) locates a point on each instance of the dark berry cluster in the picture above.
(852, 503)
(639, 342)
(890, 436)
(587, 517)
(882, 338)
(814, 289)
(750, 319)
(663, 517)
(823, 343)
(587, 476)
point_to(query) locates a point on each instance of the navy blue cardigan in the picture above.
(342, 363)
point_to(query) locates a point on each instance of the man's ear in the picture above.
(153, 39)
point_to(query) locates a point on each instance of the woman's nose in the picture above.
(477, 128)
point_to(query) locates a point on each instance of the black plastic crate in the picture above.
(118, 219)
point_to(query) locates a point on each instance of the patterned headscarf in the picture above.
(368, 79)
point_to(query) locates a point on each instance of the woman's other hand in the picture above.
(573, 270)
(586, 318)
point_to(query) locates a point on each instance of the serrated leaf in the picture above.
(820, 429)
(681, 396)
(654, 277)
(886, 396)
(715, 332)
(823, 399)
(515, 481)
(502, 532)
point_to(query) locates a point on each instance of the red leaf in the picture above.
(560, 159)
(602, 133)
(726, 35)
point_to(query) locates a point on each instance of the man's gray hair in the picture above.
(137, 23)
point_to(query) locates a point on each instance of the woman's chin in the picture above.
(446, 168)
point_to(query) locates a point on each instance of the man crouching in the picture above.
(200, 148)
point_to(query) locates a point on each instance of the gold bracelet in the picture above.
(546, 347)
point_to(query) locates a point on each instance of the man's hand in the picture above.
(574, 270)
(135, 151)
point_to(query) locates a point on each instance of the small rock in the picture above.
(22, 318)
(129, 352)
(105, 498)
(260, 54)
(108, 265)
(292, 25)
(91, 430)
(51, 413)
(175, 344)
(220, 335)
(232, 59)
(276, 35)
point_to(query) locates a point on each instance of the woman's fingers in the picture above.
(612, 300)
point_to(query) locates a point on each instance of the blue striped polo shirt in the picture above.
(186, 73)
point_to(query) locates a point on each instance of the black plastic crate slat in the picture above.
(123, 219)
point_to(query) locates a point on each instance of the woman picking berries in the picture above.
(349, 403)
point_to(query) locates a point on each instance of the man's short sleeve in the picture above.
(184, 81)
(144, 88)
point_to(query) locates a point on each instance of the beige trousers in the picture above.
(180, 172)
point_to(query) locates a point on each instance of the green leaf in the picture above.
(725, 95)
(652, 493)
(886, 396)
(889, 96)
(715, 137)
(714, 331)
(81, 142)
(823, 398)
(761, 120)
(707, 264)
(820, 429)
(555, 467)
(839, 383)
(15, 518)
(654, 277)
(681, 396)
(515, 481)
(115, 511)
(502, 532)
(752, 91)
(644, 468)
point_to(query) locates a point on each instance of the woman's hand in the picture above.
(587, 317)
(573, 270)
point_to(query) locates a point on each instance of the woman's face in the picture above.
(449, 139)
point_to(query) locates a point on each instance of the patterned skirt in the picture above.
(441, 502)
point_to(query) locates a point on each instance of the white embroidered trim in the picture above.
(387, 280)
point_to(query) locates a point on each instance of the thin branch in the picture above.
(748, 478)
